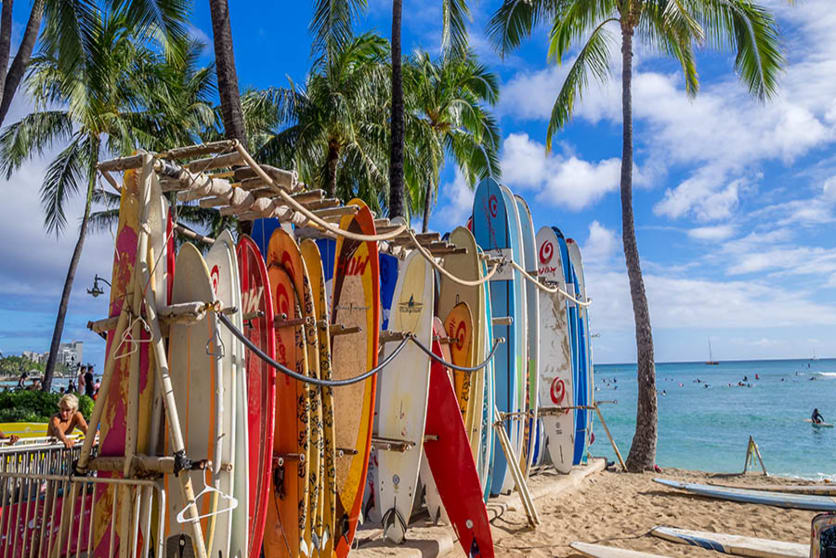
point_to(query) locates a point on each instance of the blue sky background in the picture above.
(735, 200)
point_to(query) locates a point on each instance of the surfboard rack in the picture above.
(503, 320)
(340, 329)
(346, 452)
(594, 407)
(391, 444)
(183, 313)
(281, 321)
(514, 466)
(145, 465)
(389, 336)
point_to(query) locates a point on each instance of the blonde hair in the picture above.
(69, 400)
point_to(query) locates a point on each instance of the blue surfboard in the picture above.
(584, 337)
(779, 499)
(388, 280)
(578, 371)
(491, 224)
(262, 231)
(489, 392)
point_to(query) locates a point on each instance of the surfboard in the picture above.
(733, 544)
(221, 263)
(584, 341)
(196, 360)
(556, 385)
(491, 229)
(518, 422)
(486, 447)
(257, 311)
(451, 463)
(356, 303)
(324, 540)
(532, 339)
(24, 429)
(603, 551)
(388, 280)
(818, 424)
(402, 397)
(113, 427)
(469, 385)
(790, 488)
(779, 499)
(823, 538)
(458, 326)
(262, 231)
(287, 512)
(432, 499)
(290, 256)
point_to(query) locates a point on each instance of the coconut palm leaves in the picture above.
(114, 94)
(447, 97)
(669, 27)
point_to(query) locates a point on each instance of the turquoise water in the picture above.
(708, 428)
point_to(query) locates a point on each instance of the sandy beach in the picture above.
(619, 509)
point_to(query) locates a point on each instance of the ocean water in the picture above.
(708, 428)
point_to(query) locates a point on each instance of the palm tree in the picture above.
(333, 131)
(233, 113)
(447, 97)
(65, 25)
(673, 28)
(111, 100)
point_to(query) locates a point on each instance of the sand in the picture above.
(619, 509)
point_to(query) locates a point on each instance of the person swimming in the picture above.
(816, 417)
(67, 419)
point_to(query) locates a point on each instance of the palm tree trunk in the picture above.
(21, 60)
(231, 111)
(427, 204)
(643, 450)
(396, 193)
(68, 285)
(333, 158)
(5, 37)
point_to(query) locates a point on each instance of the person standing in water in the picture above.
(816, 417)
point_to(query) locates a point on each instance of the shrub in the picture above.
(36, 406)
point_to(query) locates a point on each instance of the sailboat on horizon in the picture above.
(711, 360)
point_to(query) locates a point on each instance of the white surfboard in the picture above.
(239, 535)
(556, 386)
(733, 544)
(402, 397)
(202, 381)
(602, 551)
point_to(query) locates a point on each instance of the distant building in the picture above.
(71, 353)
(32, 355)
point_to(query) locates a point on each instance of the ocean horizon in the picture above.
(708, 428)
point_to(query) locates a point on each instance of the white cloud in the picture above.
(713, 233)
(456, 203)
(557, 180)
(601, 244)
(723, 135)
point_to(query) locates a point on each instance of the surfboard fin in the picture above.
(323, 540)
(394, 526)
(303, 547)
(474, 549)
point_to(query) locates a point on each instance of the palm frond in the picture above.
(575, 22)
(592, 61)
(454, 15)
(30, 136)
(515, 20)
(61, 180)
(332, 23)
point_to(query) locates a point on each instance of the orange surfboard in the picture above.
(356, 303)
(288, 507)
(459, 327)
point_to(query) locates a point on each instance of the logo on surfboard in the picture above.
(546, 252)
(461, 332)
(410, 306)
(215, 276)
(251, 300)
(492, 205)
(558, 391)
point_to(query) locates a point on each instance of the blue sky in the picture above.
(735, 200)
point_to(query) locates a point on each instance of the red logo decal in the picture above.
(356, 266)
(492, 204)
(558, 391)
(215, 275)
(282, 300)
(546, 252)
(461, 331)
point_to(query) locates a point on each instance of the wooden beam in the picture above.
(215, 162)
(198, 150)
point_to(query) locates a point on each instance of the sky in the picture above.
(735, 199)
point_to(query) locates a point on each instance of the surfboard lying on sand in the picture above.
(733, 544)
(792, 489)
(603, 551)
(779, 499)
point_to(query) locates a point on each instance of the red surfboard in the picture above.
(451, 462)
(257, 307)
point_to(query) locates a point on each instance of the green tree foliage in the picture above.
(35, 406)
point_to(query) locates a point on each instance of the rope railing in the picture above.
(315, 381)
(476, 368)
(465, 282)
(544, 288)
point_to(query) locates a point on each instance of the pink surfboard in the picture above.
(451, 463)
(257, 308)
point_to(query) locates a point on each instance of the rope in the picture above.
(316, 381)
(455, 366)
(429, 257)
(306, 212)
(544, 288)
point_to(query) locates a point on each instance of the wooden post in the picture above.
(753, 453)
(513, 465)
(612, 441)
